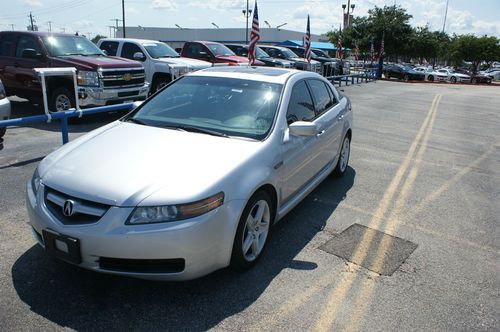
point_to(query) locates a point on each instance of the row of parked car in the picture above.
(122, 70)
(408, 72)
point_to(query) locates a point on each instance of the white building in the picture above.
(176, 37)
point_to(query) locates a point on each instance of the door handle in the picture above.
(341, 117)
(320, 133)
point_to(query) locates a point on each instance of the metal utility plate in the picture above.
(371, 249)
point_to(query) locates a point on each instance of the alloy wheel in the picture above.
(344, 154)
(256, 230)
(63, 103)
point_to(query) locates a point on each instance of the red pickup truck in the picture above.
(215, 53)
(101, 80)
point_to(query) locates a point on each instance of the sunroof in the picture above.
(250, 70)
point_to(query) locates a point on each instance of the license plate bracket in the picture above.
(62, 246)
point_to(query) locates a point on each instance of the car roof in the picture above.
(265, 74)
(42, 33)
(136, 40)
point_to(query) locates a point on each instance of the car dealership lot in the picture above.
(424, 168)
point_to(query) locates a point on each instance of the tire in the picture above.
(406, 78)
(343, 160)
(61, 99)
(2, 133)
(430, 78)
(473, 80)
(453, 79)
(159, 83)
(251, 233)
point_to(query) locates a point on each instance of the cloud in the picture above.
(131, 10)
(164, 5)
(33, 3)
(84, 24)
(223, 5)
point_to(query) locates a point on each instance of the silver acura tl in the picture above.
(191, 180)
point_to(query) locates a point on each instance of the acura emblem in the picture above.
(68, 208)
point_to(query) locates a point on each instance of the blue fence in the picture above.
(63, 117)
(366, 75)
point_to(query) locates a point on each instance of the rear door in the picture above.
(7, 59)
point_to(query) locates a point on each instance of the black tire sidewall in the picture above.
(59, 91)
(157, 82)
(2, 132)
(238, 261)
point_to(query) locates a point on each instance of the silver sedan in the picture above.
(192, 180)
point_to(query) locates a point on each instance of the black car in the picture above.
(242, 50)
(329, 65)
(285, 54)
(401, 72)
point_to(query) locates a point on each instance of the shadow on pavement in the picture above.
(84, 300)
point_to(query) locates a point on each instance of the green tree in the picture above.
(97, 38)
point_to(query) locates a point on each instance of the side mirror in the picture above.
(139, 56)
(303, 128)
(30, 54)
(105, 52)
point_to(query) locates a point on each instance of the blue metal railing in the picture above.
(367, 75)
(63, 117)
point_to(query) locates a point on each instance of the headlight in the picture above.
(35, 182)
(87, 78)
(2, 91)
(169, 213)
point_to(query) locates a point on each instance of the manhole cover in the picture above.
(371, 249)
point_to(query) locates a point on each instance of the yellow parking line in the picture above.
(339, 293)
(365, 295)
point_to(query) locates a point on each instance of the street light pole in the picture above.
(445, 14)
(123, 18)
(350, 9)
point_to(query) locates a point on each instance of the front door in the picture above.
(26, 77)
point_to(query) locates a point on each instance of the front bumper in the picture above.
(89, 96)
(204, 243)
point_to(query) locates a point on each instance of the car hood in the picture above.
(303, 60)
(233, 58)
(125, 163)
(95, 62)
(187, 62)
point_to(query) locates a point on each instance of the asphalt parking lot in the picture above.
(424, 168)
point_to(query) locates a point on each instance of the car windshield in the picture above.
(160, 50)
(320, 53)
(70, 45)
(299, 51)
(213, 105)
(220, 50)
(259, 53)
(287, 53)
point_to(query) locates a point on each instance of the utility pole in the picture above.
(111, 28)
(50, 25)
(12, 26)
(116, 22)
(123, 17)
(31, 20)
(445, 14)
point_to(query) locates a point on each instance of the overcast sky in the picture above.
(94, 16)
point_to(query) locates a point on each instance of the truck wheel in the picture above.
(2, 132)
(61, 99)
(159, 83)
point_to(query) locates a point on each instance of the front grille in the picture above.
(85, 212)
(123, 78)
(174, 265)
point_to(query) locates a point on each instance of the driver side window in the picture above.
(27, 43)
(300, 107)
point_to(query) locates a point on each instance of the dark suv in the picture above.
(101, 80)
(260, 55)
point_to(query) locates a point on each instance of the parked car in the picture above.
(327, 64)
(454, 76)
(440, 75)
(210, 163)
(260, 55)
(102, 80)
(494, 73)
(331, 66)
(401, 72)
(475, 78)
(215, 53)
(284, 53)
(161, 63)
(4, 108)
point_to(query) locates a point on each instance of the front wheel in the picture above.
(406, 78)
(62, 99)
(473, 80)
(343, 161)
(431, 78)
(159, 83)
(2, 133)
(453, 79)
(253, 230)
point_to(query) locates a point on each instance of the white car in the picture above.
(191, 181)
(494, 73)
(4, 108)
(436, 75)
(453, 76)
(161, 63)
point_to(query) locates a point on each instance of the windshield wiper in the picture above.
(201, 130)
(136, 121)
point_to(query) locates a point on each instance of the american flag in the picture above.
(372, 51)
(254, 36)
(339, 45)
(308, 41)
(382, 45)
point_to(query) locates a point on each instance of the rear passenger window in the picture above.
(193, 50)
(301, 106)
(27, 42)
(322, 98)
(110, 47)
(7, 44)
